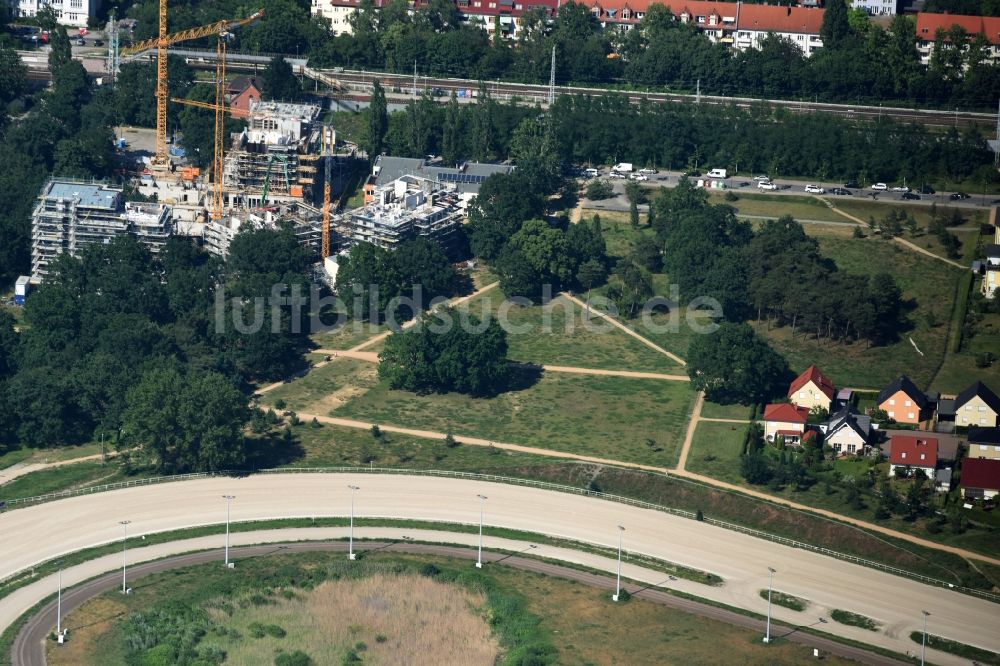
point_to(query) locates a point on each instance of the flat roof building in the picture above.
(464, 179)
(405, 209)
(71, 214)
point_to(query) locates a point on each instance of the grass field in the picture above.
(78, 475)
(928, 285)
(636, 420)
(577, 624)
(14, 457)
(713, 410)
(960, 369)
(862, 209)
(715, 450)
(802, 207)
(326, 388)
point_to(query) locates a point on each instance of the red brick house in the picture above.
(241, 93)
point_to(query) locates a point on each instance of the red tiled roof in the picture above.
(913, 447)
(812, 374)
(928, 25)
(785, 413)
(771, 18)
(790, 433)
(981, 473)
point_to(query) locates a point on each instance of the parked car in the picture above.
(959, 195)
(766, 185)
(648, 171)
(911, 196)
(880, 187)
(927, 189)
(901, 188)
(745, 183)
(841, 191)
(98, 42)
(762, 179)
(853, 184)
(693, 174)
(639, 176)
(81, 41)
(815, 189)
(591, 173)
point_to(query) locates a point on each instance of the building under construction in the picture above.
(306, 222)
(276, 158)
(404, 209)
(71, 214)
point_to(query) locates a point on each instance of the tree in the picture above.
(631, 288)
(378, 122)
(756, 469)
(451, 132)
(422, 263)
(633, 214)
(518, 278)
(186, 422)
(546, 250)
(279, 81)
(835, 28)
(591, 272)
(60, 50)
(367, 280)
(13, 74)
(446, 352)
(599, 189)
(734, 365)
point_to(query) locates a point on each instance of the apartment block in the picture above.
(72, 13)
(72, 214)
(405, 209)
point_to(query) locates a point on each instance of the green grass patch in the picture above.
(854, 620)
(715, 450)
(785, 600)
(636, 420)
(347, 334)
(863, 209)
(323, 389)
(928, 285)
(713, 410)
(956, 648)
(802, 207)
(14, 457)
(55, 479)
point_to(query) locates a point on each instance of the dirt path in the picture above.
(689, 435)
(713, 420)
(26, 467)
(902, 241)
(618, 324)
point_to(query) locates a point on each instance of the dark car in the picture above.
(692, 174)
(81, 42)
(911, 196)
(98, 42)
(927, 189)
(959, 195)
(853, 184)
(841, 191)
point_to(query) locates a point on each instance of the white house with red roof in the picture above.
(812, 389)
(915, 453)
(928, 26)
(788, 421)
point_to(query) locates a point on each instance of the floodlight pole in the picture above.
(618, 584)
(350, 539)
(482, 505)
(229, 499)
(124, 524)
(770, 584)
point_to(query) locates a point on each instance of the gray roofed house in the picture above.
(465, 179)
(848, 432)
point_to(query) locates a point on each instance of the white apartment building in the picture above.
(73, 13)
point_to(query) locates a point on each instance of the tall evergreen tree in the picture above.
(378, 122)
(835, 28)
(451, 132)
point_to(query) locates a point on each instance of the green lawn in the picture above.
(715, 450)
(863, 209)
(347, 335)
(323, 389)
(14, 457)
(802, 207)
(929, 285)
(713, 410)
(636, 420)
(960, 369)
(77, 475)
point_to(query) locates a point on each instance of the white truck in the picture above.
(622, 167)
(717, 173)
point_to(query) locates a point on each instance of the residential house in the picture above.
(811, 389)
(980, 478)
(876, 7)
(904, 402)
(984, 442)
(339, 13)
(799, 25)
(786, 420)
(977, 405)
(241, 93)
(991, 269)
(914, 452)
(848, 432)
(929, 26)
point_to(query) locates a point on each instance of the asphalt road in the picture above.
(29, 645)
(64, 526)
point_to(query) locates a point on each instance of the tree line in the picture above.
(126, 345)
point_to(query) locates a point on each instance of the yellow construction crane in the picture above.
(327, 159)
(220, 108)
(161, 43)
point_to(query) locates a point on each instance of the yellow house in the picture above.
(977, 406)
(984, 443)
(811, 389)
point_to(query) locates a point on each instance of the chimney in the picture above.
(788, 11)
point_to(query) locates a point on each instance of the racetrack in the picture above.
(38, 533)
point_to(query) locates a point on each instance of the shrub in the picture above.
(429, 570)
(624, 595)
(853, 619)
(275, 631)
(279, 403)
(699, 516)
(450, 441)
(376, 431)
(256, 630)
(381, 638)
(600, 189)
(785, 600)
(731, 196)
(297, 658)
(314, 423)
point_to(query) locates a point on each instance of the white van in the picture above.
(622, 167)
(717, 173)
(591, 173)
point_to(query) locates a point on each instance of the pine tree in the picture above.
(378, 122)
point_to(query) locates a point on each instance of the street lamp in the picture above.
(770, 581)
(229, 499)
(124, 524)
(482, 505)
(618, 585)
(923, 641)
(350, 541)
(59, 634)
